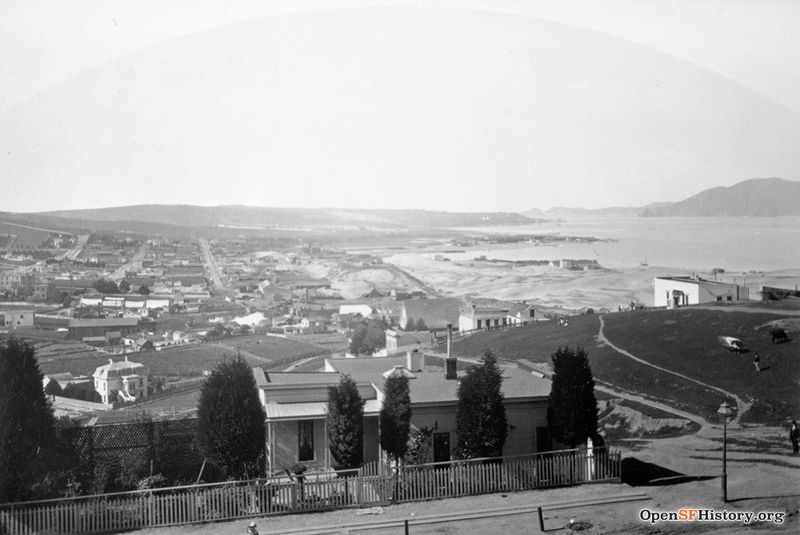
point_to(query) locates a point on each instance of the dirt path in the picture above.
(238, 351)
(298, 363)
(742, 405)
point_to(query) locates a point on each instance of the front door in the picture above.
(441, 447)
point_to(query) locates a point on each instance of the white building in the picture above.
(356, 308)
(482, 317)
(398, 341)
(129, 379)
(674, 292)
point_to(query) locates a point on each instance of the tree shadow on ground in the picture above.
(638, 473)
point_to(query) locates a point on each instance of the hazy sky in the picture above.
(460, 105)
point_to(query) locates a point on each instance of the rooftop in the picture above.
(104, 322)
(696, 280)
(117, 368)
(430, 386)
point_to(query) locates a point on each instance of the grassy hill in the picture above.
(190, 360)
(684, 341)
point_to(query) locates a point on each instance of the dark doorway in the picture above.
(543, 440)
(441, 447)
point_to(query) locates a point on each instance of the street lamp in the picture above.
(726, 411)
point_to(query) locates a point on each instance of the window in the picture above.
(305, 440)
(729, 298)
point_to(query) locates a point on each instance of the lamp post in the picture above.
(726, 411)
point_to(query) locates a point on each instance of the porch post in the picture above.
(327, 449)
(269, 448)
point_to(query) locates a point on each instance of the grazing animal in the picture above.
(734, 345)
(778, 336)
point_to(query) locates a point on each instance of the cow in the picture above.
(733, 345)
(779, 336)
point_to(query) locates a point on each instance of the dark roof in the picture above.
(104, 322)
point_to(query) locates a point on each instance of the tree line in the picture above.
(35, 455)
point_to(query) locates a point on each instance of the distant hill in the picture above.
(235, 216)
(757, 197)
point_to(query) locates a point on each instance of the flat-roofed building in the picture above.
(673, 292)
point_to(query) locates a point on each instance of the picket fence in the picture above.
(374, 484)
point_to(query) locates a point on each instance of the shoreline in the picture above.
(546, 286)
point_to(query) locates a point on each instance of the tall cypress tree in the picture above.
(346, 423)
(26, 421)
(572, 407)
(481, 423)
(230, 430)
(396, 416)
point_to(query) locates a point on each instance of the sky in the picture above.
(461, 105)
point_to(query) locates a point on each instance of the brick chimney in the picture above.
(450, 363)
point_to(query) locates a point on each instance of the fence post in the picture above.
(360, 489)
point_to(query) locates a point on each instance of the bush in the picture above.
(346, 423)
(481, 422)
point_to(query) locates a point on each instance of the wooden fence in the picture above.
(374, 485)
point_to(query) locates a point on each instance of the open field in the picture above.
(688, 347)
(32, 236)
(686, 341)
(276, 349)
(189, 360)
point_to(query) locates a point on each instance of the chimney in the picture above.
(450, 364)
(414, 360)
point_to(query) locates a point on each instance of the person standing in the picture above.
(757, 363)
(794, 436)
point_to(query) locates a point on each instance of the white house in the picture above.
(482, 317)
(129, 379)
(674, 292)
